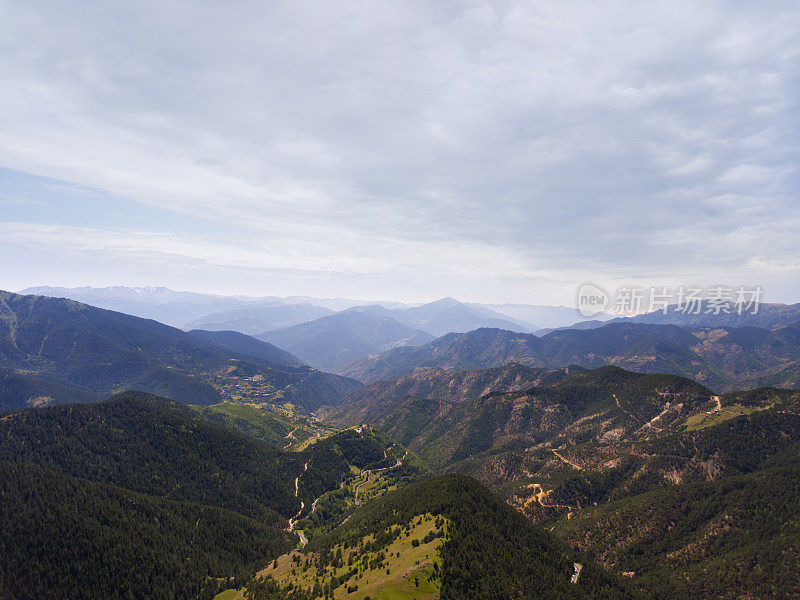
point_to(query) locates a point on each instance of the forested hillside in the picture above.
(436, 414)
(684, 491)
(18, 390)
(104, 352)
(724, 358)
(715, 516)
(245, 345)
(488, 551)
(158, 502)
(139, 478)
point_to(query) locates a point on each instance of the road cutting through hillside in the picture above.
(293, 520)
(620, 407)
(656, 418)
(297, 481)
(290, 437)
(567, 461)
(399, 463)
(365, 473)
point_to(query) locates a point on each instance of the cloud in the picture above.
(493, 140)
(461, 259)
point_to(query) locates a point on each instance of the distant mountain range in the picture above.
(192, 310)
(334, 341)
(60, 345)
(158, 303)
(703, 315)
(768, 316)
(330, 342)
(258, 319)
(449, 315)
(544, 315)
(250, 314)
(722, 358)
(374, 342)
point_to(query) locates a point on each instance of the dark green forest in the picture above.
(147, 499)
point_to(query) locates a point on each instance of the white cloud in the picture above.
(491, 140)
(462, 259)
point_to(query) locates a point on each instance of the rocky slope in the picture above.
(723, 358)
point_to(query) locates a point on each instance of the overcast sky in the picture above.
(498, 151)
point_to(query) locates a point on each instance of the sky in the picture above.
(491, 151)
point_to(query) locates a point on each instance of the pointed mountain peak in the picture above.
(444, 302)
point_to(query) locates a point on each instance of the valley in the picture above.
(330, 300)
(582, 481)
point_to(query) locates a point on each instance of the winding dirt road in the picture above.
(293, 520)
(290, 437)
(365, 473)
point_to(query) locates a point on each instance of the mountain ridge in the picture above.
(334, 340)
(723, 358)
(141, 478)
(248, 346)
(654, 476)
(258, 319)
(105, 352)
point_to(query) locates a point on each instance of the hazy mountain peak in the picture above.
(447, 302)
(335, 340)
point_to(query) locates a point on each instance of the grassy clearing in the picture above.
(703, 420)
(363, 486)
(406, 567)
(313, 436)
(230, 595)
(280, 426)
(371, 486)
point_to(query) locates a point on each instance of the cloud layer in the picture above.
(518, 146)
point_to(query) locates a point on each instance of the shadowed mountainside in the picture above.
(103, 352)
(248, 346)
